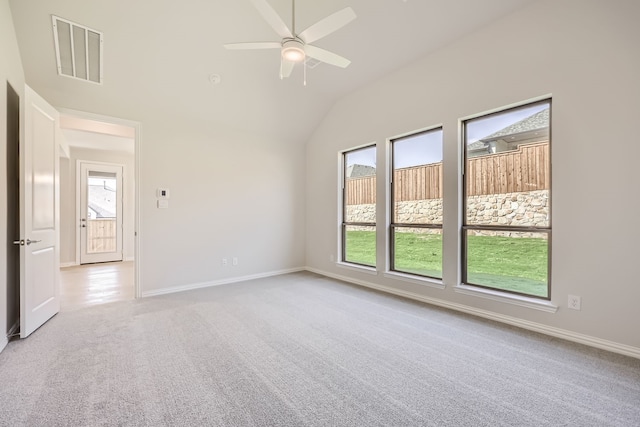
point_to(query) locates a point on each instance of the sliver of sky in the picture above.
(365, 156)
(420, 149)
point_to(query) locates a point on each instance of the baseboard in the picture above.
(201, 285)
(3, 343)
(68, 264)
(514, 321)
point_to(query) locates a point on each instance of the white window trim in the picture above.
(505, 297)
(415, 279)
(357, 267)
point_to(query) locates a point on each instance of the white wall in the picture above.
(583, 52)
(232, 195)
(68, 221)
(10, 72)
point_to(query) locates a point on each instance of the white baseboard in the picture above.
(193, 286)
(67, 264)
(591, 341)
(3, 343)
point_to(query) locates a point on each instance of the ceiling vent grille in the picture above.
(78, 50)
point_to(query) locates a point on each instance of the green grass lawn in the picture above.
(513, 264)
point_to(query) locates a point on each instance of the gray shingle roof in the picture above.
(539, 120)
(354, 171)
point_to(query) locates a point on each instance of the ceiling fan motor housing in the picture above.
(293, 49)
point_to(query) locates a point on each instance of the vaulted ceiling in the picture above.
(159, 56)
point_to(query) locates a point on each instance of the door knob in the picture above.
(18, 242)
(29, 241)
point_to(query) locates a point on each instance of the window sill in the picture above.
(520, 300)
(359, 268)
(417, 280)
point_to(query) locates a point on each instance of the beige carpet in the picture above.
(302, 350)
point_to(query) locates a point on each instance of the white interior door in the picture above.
(39, 215)
(100, 187)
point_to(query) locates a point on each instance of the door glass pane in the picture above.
(101, 212)
(508, 260)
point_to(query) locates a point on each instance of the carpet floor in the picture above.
(304, 350)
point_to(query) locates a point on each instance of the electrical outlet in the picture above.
(225, 262)
(574, 302)
(235, 260)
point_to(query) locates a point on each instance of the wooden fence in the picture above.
(101, 235)
(418, 183)
(524, 169)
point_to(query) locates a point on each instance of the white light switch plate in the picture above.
(163, 204)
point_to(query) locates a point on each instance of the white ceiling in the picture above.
(158, 56)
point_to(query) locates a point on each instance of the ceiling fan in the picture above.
(296, 47)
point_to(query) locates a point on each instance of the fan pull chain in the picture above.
(305, 72)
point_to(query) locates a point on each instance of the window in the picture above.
(507, 183)
(416, 204)
(359, 206)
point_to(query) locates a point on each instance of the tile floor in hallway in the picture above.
(91, 284)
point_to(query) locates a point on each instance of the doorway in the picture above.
(100, 250)
(100, 212)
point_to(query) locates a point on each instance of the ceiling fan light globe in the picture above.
(293, 50)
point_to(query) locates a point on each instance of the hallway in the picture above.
(92, 284)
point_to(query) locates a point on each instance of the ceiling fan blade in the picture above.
(328, 25)
(287, 68)
(250, 45)
(326, 56)
(272, 18)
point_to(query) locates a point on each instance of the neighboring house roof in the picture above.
(354, 171)
(539, 120)
(102, 201)
(522, 130)
(478, 145)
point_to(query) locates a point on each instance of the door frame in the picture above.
(80, 208)
(137, 280)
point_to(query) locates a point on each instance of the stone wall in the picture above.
(528, 209)
(515, 209)
(421, 211)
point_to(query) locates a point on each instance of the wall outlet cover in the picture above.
(574, 302)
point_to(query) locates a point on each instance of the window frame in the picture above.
(393, 225)
(344, 223)
(526, 229)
